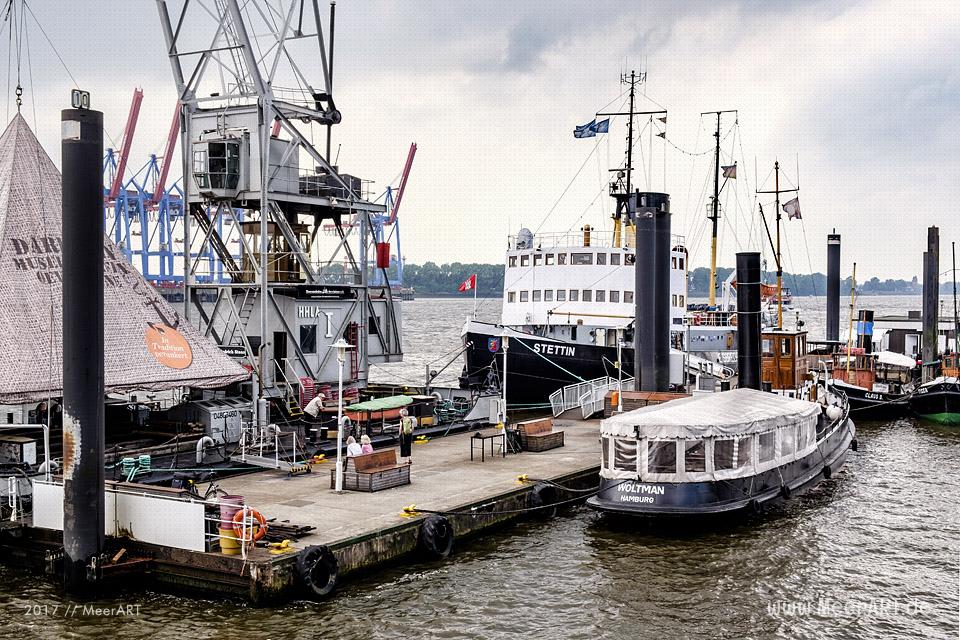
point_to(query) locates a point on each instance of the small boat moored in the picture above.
(720, 453)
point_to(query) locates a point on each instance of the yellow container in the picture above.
(229, 544)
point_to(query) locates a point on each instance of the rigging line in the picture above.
(9, 54)
(26, 6)
(570, 373)
(572, 180)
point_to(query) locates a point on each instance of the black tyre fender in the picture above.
(754, 507)
(542, 500)
(827, 472)
(854, 444)
(785, 491)
(436, 537)
(318, 570)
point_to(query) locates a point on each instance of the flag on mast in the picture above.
(469, 284)
(586, 130)
(792, 209)
(730, 171)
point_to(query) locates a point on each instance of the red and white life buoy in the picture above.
(238, 524)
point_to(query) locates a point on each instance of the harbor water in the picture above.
(872, 553)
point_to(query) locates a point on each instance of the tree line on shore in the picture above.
(431, 279)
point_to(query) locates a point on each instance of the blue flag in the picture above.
(586, 131)
(602, 127)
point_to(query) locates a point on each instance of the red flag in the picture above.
(468, 284)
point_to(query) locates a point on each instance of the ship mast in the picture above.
(777, 191)
(620, 191)
(715, 205)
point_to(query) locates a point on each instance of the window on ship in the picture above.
(537, 259)
(549, 259)
(615, 259)
(723, 454)
(587, 295)
(661, 456)
(548, 295)
(788, 440)
(625, 454)
(525, 260)
(744, 452)
(574, 295)
(614, 296)
(767, 443)
(601, 295)
(536, 295)
(694, 455)
(601, 258)
(511, 296)
(561, 258)
(561, 295)
(524, 296)
(512, 261)
(581, 258)
(628, 297)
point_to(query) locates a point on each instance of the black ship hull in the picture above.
(873, 404)
(536, 367)
(734, 498)
(938, 402)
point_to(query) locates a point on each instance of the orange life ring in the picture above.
(238, 524)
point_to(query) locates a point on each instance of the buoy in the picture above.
(542, 499)
(436, 537)
(318, 570)
(261, 524)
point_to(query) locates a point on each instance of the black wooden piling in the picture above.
(748, 319)
(931, 297)
(662, 306)
(833, 287)
(647, 294)
(83, 385)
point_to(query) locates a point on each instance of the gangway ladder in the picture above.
(292, 403)
(243, 315)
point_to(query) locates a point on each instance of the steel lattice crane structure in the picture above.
(253, 79)
(143, 216)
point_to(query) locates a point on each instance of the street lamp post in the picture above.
(619, 370)
(341, 346)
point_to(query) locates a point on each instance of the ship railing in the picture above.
(592, 238)
(696, 364)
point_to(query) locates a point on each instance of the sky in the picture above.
(858, 100)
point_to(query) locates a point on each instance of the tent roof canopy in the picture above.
(147, 344)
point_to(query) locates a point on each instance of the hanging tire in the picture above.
(854, 444)
(542, 500)
(318, 570)
(436, 537)
(785, 492)
(827, 472)
(754, 507)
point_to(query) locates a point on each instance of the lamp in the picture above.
(342, 346)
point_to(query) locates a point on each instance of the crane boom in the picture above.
(167, 156)
(403, 182)
(127, 142)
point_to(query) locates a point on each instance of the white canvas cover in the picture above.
(896, 359)
(727, 413)
(147, 346)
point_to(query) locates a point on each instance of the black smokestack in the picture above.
(646, 296)
(865, 330)
(662, 306)
(833, 286)
(748, 319)
(83, 439)
(931, 295)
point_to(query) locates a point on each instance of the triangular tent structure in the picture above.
(147, 344)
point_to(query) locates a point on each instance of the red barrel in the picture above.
(383, 255)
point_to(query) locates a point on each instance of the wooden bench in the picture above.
(539, 435)
(373, 472)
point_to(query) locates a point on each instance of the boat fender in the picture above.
(542, 499)
(436, 537)
(827, 472)
(754, 506)
(318, 570)
(785, 491)
(854, 444)
(833, 412)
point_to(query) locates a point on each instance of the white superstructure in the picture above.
(554, 282)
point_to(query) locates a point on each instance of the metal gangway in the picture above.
(587, 395)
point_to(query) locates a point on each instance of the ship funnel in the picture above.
(748, 319)
(651, 215)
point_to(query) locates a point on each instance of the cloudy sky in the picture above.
(858, 100)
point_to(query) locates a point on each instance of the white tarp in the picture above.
(727, 413)
(896, 359)
(147, 346)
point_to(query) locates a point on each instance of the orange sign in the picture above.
(169, 347)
